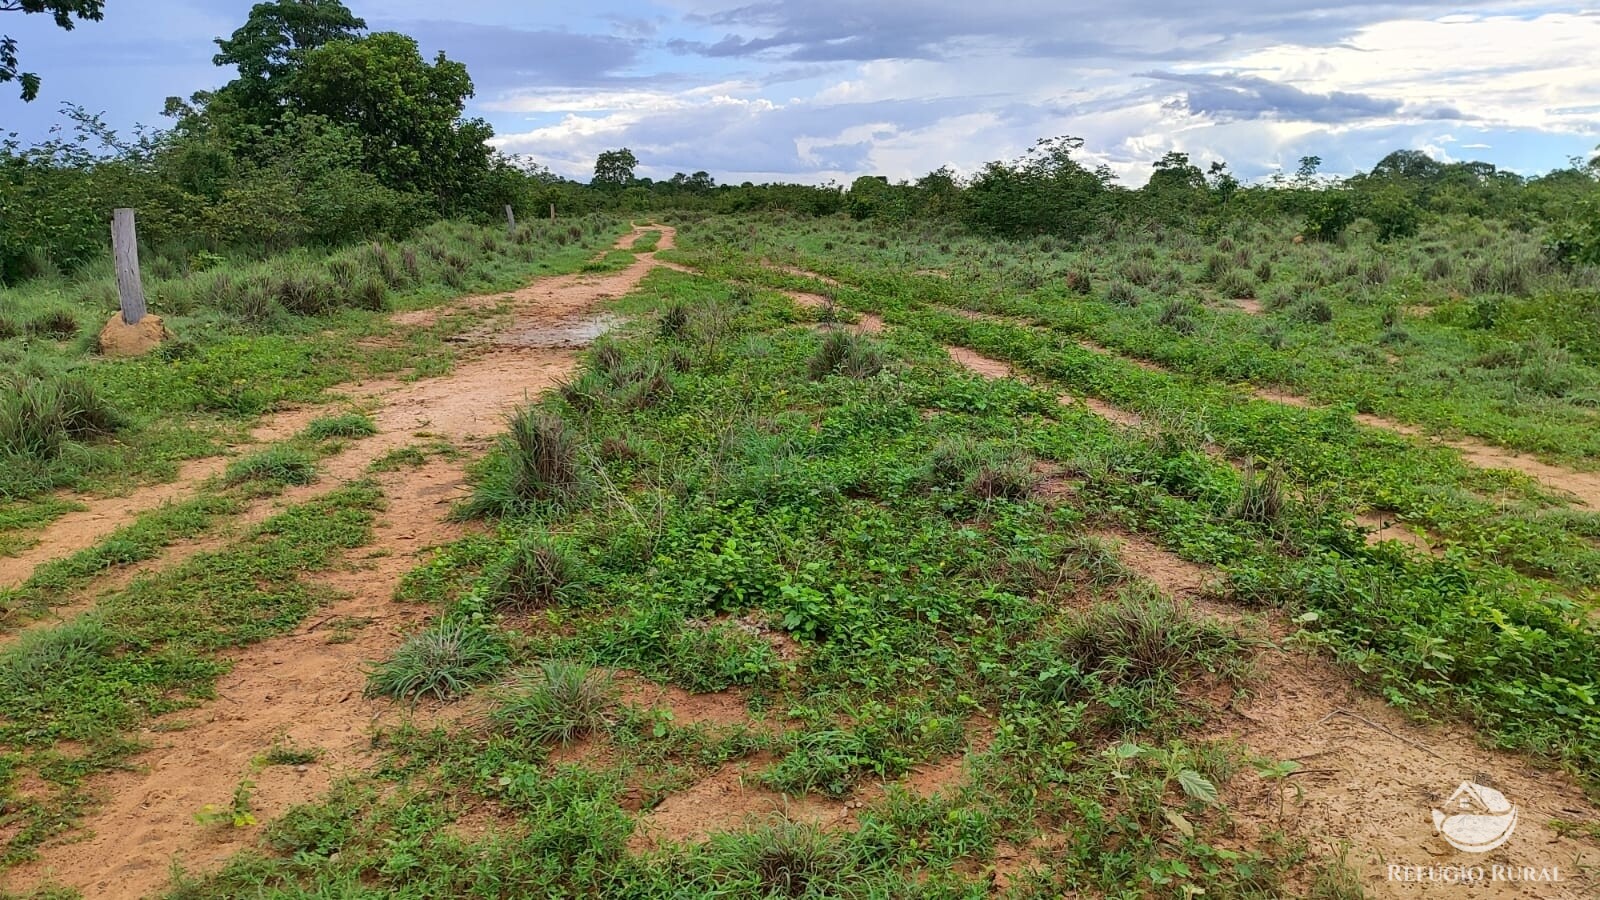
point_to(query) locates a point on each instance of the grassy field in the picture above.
(775, 597)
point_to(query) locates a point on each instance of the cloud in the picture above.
(1228, 97)
(501, 58)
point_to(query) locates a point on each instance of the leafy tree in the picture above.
(1329, 213)
(63, 11)
(1410, 165)
(269, 47)
(1047, 191)
(1393, 212)
(1222, 182)
(1308, 168)
(614, 168)
(405, 111)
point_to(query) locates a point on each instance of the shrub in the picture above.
(444, 661)
(1329, 212)
(559, 701)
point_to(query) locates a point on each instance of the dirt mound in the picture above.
(119, 339)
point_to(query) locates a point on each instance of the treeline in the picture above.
(331, 134)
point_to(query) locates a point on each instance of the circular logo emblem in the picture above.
(1476, 819)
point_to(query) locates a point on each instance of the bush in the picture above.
(1329, 212)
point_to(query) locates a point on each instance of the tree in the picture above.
(1308, 168)
(63, 11)
(406, 112)
(1222, 182)
(614, 168)
(269, 46)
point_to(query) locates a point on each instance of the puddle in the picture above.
(565, 333)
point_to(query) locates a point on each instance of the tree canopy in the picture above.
(65, 12)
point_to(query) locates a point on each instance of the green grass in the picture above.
(752, 492)
(276, 465)
(154, 648)
(347, 425)
(54, 581)
(863, 566)
(251, 337)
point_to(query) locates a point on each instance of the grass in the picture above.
(442, 662)
(347, 425)
(252, 336)
(862, 571)
(278, 465)
(558, 701)
(154, 647)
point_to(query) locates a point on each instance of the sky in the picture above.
(826, 90)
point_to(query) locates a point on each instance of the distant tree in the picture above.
(268, 48)
(63, 11)
(1412, 165)
(1308, 168)
(1222, 182)
(698, 183)
(614, 168)
(1047, 191)
(406, 112)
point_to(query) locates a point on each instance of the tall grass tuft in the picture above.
(843, 353)
(39, 417)
(559, 701)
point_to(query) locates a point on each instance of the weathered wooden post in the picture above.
(511, 220)
(125, 252)
(552, 212)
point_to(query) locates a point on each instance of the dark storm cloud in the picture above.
(509, 57)
(1249, 97)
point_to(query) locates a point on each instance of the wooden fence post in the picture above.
(552, 212)
(511, 220)
(125, 252)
